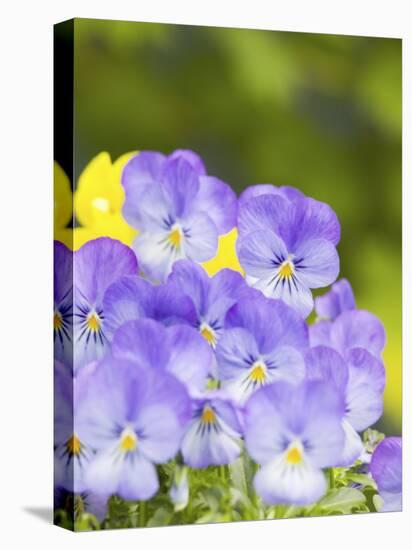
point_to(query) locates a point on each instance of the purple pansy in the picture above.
(76, 504)
(263, 342)
(352, 329)
(132, 298)
(63, 304)
(179, 211)
(213, 435)
(288, 193)
(287, 248)
(135, 418)
(386, 470)
(340, 298)
(97, 265)
(71, 450)
(178, 349)
(211, 297)
(293, 432)
(361, 380)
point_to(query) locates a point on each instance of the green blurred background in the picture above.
(318, 112)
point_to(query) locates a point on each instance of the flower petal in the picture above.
(323, 363)
(358, 329)
(261, 213)
(386, 465)
(156, 255)
(180, 183)
(127, 299)
(201, 237)
(339, 299)
(316, 263)
(279, 483)
(191, 157)
(353, 446)
(218, 201)
(98, 264)
(284, 191)
(259, 252)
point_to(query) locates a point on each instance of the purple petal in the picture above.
(366, 369)
(386, 465)
(63, 272)
(193, 280)
(364, 405)
(147, 207)
(340, 298)
(316, 263)
(201, 237)
(127, 299)
(191, 157)
(181, 185)
(218, 201)
(319, 334)
(358, 329)
(307, 219)
(271, 322)
(100, 263)
(326, 364)
(191, 358)
(286, 192)
(143, 341)
(260, 213)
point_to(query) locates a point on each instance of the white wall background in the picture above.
(26, 271)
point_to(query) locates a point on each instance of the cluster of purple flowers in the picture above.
(155, 360)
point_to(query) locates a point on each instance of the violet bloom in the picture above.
(361, 381)
(71, 450)
(288, 193)
(97, 265)
(263, 342)
(386, 470)
(340, 298)
(135, 419)
(178, 349)
(63, 304)
(287, 248)
(213, 435)
(293, 432)
(179, 211)
(351, 329)
(211, 297)
(132, 298)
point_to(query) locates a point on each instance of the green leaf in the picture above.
(361, 479)
(340, 501)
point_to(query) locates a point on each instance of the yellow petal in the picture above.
(226, 255)
(63, 197)
(99, 190)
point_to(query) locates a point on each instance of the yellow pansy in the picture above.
(226, 255)
(99, 198)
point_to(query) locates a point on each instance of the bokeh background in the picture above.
(318, 112)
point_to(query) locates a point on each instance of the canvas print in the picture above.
(227, 275)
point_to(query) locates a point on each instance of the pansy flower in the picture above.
(76, 504)
(386, 470)
(177, 349)
(213, 435)
(132, 298)
(179, 211)
(263, 342)
(361, 380)
(71, 450)
(293, 432)
(351, 329)
(63, 304)
(211, 297)
(135, 418)
(97, 264)
(287, 248)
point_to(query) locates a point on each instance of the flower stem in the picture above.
(142, 513)
(331, 478)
